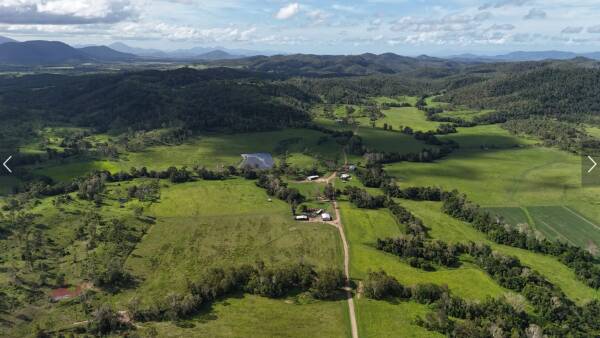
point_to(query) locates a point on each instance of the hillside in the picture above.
(4, 39)
(557, 89)
(40, 53)
(104, 53)
(344, 65)
(212, 99)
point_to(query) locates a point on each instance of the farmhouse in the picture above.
(257, 161)
(326, 217)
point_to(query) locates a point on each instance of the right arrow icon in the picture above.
(594, 162)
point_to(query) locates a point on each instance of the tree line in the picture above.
(258, 279)
(457, 205)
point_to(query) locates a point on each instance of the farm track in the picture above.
(340, 226)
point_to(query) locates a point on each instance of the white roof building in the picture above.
(326, 217)
(312, 178)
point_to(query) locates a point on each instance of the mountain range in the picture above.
(526, 56)
(40, 52)
(191, 53)
(58, 53)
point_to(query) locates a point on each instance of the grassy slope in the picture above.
(407, 117)
(382, 318)
(235, 225)
(209, 150)
(201, 225)
(449, 229)
(379, 139)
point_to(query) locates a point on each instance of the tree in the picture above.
(327, 284)
(330, 192)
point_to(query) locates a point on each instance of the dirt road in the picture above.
(340, 226)
(338, 223)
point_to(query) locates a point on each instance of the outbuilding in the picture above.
(345, 177)
(313, 177)
(301, 218)
(326, 217)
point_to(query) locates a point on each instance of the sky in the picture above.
(405, 27)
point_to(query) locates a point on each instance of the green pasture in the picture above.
(253, 316)
(390, 318)
(487, 137)
(465, 114)
(212, 151)
(363, 227)
(565, 224)
(383, 318)
(199, 225)
(379, 139)
(448, 229)
(405, 117)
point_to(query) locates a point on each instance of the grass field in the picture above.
(412, 100)
(566, 224)
(448, 229)
(594, 131)
(382, 318)
(516, 178)
(511, 215)
(406, 117)
(486, 137)
(391, 319)
(212, 151)
(252, 316)
(379, 139)
(200, 225)
(465, 114)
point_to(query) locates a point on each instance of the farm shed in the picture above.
(326, 217)
(313, 177)
(301, 218)
(257, 161)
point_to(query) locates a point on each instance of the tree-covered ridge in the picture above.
(568, 91)
(213, 99)
(349, 65)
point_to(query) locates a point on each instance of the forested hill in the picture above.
(348, 65)
(569, 90)
(213, 99)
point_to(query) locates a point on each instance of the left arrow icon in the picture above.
(5, 166)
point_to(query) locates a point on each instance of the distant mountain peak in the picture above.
(4, 39)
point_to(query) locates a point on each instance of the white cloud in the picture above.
(572, 30)
(65, 12)
(502, 27)
(594, 29)
(505, 3)
(288, 11)
(455, 22)
(535, 13)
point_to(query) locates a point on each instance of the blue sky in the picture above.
(325, 27)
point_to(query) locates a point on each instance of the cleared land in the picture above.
(403, 117)
(200, 225)
(304, 148)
